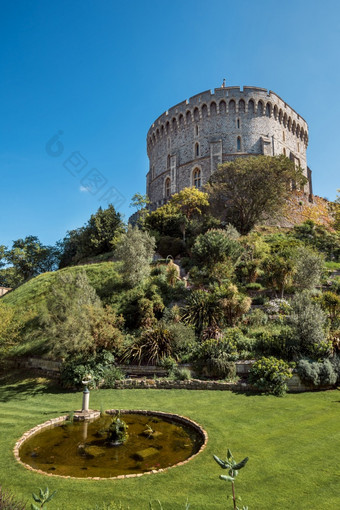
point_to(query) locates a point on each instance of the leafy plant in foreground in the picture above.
(42, 499)
(233, 469)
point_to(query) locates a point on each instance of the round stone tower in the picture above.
(187, 142)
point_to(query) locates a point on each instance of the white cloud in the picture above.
(84, 189)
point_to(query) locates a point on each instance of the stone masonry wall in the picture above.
(214, 127)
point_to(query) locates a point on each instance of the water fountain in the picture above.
(109, 445)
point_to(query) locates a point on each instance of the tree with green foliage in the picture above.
(135, 250)
(246, 190)
(65, 321)
(165, 221)
(141, 203)
(255, 252)
(98, 236)
(27, 258)
(309, 327)
(201, 310)
(215, 246)
(309, 268)
(191, 202)
(280, 265)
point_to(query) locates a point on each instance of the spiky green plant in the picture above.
(233, 469)
(43, 498)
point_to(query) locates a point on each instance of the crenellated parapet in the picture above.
(187, 142)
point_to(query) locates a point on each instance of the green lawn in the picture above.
(293, 444)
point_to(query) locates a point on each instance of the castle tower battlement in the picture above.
(187, 142)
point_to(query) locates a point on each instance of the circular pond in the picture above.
(152, 441)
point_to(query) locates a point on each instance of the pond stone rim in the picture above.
(147, 412)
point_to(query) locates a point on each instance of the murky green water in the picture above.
(81, 449)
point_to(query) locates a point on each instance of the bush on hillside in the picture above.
(135, 250)
(270, 375)
(215, 358)
(65, 322)
(309, 327)
(317, 373)
(95, 367)
(153, 344)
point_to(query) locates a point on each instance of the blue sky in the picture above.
(95, 74)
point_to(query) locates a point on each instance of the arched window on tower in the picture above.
(238, 144)
(196, 178)
(167, 187)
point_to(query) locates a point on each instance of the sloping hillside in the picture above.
(104, 277)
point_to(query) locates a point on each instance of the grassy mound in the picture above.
(30, 297)
(104, 277)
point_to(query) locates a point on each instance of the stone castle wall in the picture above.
(187, 142)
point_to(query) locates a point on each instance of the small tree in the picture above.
(190, 202)
(309, 267)
(247, 189)
(202, 311)
(141, 203)
(135, 250)
(65, 323)
(215, 246)
(309, 325)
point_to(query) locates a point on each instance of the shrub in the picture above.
(244, 345)
(233, 304)
(270, 375)
(215, 358)
(330, 302)
(74, 370)
(274, 341)
(169, 364)
(181, 374)
(256, 317)
(277, 306)
(309, 268)
(168, 245)
(309, 323)
(111, 375)
(254, 286)
(317, 374)
(66, 323)
(259, 300)
(183, 340)
(335, 360)
(201, 310)
(135, 250)
(220, 367)
(153, 344)
(215, 246)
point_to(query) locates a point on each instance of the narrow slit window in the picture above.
(238, 144)
(197, 150)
